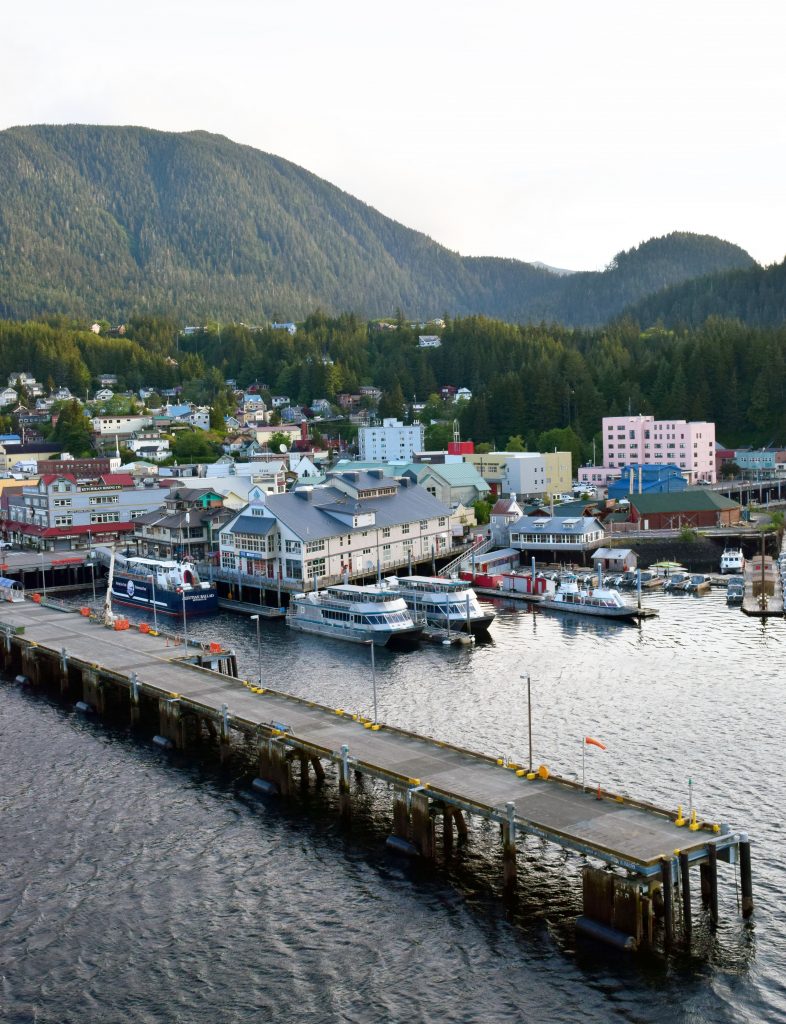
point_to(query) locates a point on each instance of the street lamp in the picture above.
(152, 579)
(43, 573)
(185, 624)
(529, 717)
(92, 568)
(255, 618)
(373, 677)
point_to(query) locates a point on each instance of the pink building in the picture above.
(643, 440)
(597, 476)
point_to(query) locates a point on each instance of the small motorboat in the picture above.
(677, 582)
(698, 584)
(735, 591)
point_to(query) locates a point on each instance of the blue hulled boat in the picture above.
(138, 582)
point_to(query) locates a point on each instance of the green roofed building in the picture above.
(697, 508)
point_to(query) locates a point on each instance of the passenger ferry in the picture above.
(599, 601)
(732, 560)
(449, 604)
(135, 581)
(355, 613)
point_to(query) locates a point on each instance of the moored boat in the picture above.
(169, 587)
(698, 584)
(735, 591)
(354, 613)
(448, 604)
(732, 560)
(602, 602)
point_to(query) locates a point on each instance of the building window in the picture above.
(293, 569)
(105, 499)
(62, 503)
(227, 560)
(405, 528)
(316, 567)
(137, 512)
(386, 532)
(292, 546)
(315, 545)
(63, 520)
(104, 517)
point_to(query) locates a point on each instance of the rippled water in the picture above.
(141, 887)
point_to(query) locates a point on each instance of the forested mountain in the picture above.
(756, 296)
(109, 221)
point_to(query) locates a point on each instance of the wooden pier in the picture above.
(641, 855)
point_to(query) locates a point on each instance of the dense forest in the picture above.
(526, 379)
(102, 222)
(756, 296)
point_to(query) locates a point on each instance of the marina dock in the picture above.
(636, 884)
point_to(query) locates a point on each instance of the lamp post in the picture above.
(93, 578)
(155, 610)
(255, 618)
(43, 573)
(529, 717)
(373, 677)
(185, 623)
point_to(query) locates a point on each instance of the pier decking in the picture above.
(430, 779)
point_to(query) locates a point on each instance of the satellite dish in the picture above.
(282, 448)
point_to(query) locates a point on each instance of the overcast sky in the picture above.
(561, 131)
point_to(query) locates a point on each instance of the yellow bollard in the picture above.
(694, 824)
(680, 820)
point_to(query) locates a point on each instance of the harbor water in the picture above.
(144, 887)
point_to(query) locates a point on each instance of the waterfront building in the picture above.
(59, 512)
(647, 480)
(699, 507)
(12, 453)
(356, 522)
(187, 525)
(564, 536)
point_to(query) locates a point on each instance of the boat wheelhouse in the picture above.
(355, 613)
(448, 604)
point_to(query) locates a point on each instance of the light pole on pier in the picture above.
(373, 677)
(155, 610)
(529, 717)
(255, 618)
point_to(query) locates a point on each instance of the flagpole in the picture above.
(583, 750)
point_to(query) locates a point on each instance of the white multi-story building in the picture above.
(390, 441)
(525, 474)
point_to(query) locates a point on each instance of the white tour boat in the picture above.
(732, 560)
(354, 613)
(447, 604)
(602, 602)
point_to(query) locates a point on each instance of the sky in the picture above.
(562, 131)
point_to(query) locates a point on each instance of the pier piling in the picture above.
(344, 794)
(509, 850)
(713, 881)
(422, 824)
(746, 883)
(667, 885)
(687, 921)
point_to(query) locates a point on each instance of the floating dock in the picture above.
(642, 854)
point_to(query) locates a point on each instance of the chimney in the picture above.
(304, 430)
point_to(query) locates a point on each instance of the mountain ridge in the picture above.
(100, 220)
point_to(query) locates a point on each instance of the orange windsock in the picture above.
(594, 743)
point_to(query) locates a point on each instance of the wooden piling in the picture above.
(93, 691)
(687, 921)
(704, 873)
(400, 815)
(422, 825)
(447, 830)
(508, 858)
(319, 771)
(746, 882)
(713, 881)
(461, 824)
(304, 760)
(667, 885)
(344, 793)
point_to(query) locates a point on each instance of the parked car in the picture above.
(5, 545)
